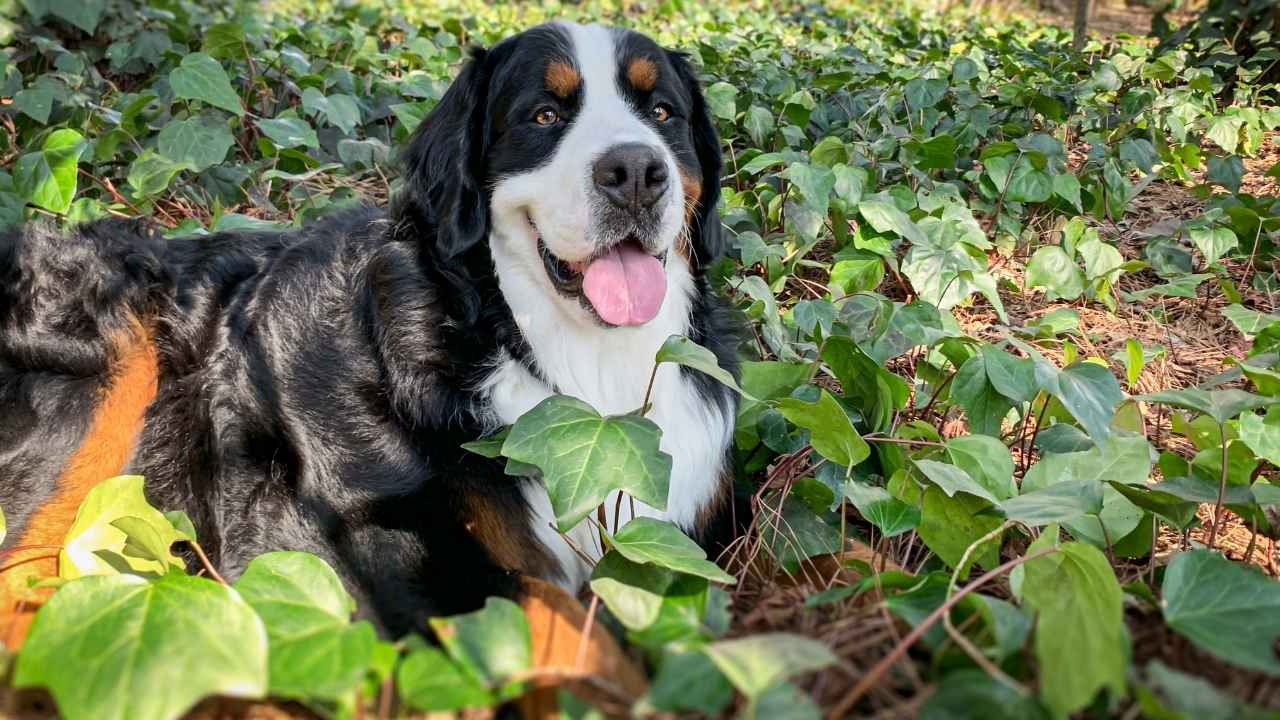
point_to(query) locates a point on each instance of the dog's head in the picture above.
(587, 159)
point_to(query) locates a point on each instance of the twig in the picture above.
(843, 708)
(963, 642)
(204, 560)
(581, 655)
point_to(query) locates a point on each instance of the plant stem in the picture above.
(843, 708)
(1222, 489)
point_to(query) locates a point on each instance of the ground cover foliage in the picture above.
(1011, 326)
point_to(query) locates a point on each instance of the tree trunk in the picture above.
(1081, 24)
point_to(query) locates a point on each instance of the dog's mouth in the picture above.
(621, 285)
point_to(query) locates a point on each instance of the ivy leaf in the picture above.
(107, 629)
(721, 97)
(1124, 459)
(651, 541)
(952, 479)
(315, 651)
(1262, 434)
(1213, 243)
(200, 77)
(47, 177)
(757, 662)
(759, 124)
(832, 434)
(1052, 269)
(95, 531)
(35, 102)
(983, 403)
(1056, 503)
(492, 645)
(633, 592)
(1225, 608)
(688, 681)
(151, 173)
(427, 680)
(289, 132)
(949, 525)
(1221, 405)
(1067, 187)
(938, 152)
(194, 142)
(341, 111)
(1080, 639)
(1029, 184)
(815, 184)
(885, 217)
(891, 516)
(986, 460)
(683, 351)
(584, 457)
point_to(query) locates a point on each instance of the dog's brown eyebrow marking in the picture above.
(562, 79)
(642, 73)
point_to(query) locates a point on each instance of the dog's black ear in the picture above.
(443, 201)
(706, 233)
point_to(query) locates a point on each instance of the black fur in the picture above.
(315, 385)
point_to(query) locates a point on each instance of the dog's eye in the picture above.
(546, 116)
(661, 112)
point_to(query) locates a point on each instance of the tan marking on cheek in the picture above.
(642, 73)
(562, 79)
(692, 187)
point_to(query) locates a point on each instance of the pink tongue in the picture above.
(626, 286)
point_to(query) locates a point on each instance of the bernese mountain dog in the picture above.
(311, 389)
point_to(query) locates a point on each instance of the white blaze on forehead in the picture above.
(606, 119)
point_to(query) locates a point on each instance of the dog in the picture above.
(311, 389)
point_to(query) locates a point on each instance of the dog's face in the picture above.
(587, 158)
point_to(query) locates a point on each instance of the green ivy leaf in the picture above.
(1262, 434)
(152, 649)
(47, 177)
(584, 457)
(1057, 503)
(94, 531)
(492, 645)
(1226, 608)
(688, 681)
(341, 111)
(650, 541)
(891, 516)
(195, 143)
(1052, 269)
(986, 460)
(885, 217)
(315, 651)
(681, 350)
(721, 97)
(151, 173)
(984, 405)
(1221, 405)
(755, 663)
(428, 681)
(200, 77)
(289, 132)
(1080, 639)
(1213, 243)
(949, 525)
(831, 432)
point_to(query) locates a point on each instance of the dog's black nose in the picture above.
(631, 175)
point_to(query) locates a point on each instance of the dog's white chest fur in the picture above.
(609, 368)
